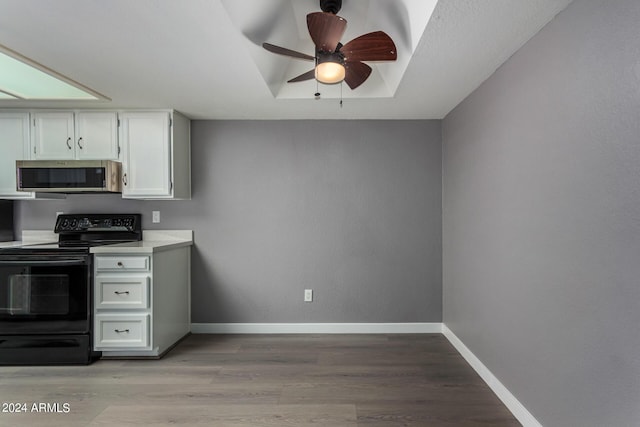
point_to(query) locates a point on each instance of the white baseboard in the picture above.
(517, 409)
(316, 328)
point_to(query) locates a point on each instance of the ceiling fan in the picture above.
(335, 62)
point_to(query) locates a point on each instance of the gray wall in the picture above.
(351, 209)
(541, 216)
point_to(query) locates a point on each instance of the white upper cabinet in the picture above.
(53, 136)
(96, 136)
(156, 157)
(153, 146)
(14, 145)
(66, 135)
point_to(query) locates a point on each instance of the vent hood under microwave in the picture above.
(69, 176)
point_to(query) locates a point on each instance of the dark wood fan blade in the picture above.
(302, 77)
(356, 73)
(287, 52)
(376, 46)
(326, 30)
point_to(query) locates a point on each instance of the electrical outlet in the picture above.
(155, 217)
(308, 295)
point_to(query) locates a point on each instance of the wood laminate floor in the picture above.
(263, 380)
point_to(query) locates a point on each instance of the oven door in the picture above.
(45, 294)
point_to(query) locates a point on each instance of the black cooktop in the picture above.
(79, 232)
(85, 230)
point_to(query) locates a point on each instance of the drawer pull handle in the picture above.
(121, 292)
(119, 331)
(120, 264)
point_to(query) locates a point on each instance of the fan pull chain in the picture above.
(341, 84)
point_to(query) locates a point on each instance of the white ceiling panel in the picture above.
(204, 57)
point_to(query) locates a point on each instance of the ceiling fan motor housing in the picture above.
(331, 6)
(322, 57)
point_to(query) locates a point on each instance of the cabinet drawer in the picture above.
(122, 263)
(122, 292)
(115, 331)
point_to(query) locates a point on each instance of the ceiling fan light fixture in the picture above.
(330, 68)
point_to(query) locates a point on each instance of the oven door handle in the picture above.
(75, 261)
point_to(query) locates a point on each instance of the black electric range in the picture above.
(46, 290)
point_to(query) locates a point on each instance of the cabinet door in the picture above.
(96, 135)
(53, 136)
(146, 163)
(14, 145)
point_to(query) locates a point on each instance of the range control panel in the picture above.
(82, 223)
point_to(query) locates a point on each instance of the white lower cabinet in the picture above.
(117, 292)
(115, 331)
(141, 302)
(122, 264)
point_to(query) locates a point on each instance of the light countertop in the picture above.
(152, 241)
(32, 237)
(13, 244)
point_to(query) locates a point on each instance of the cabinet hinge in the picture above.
(171, 186)
(118, 122)
(118, 150)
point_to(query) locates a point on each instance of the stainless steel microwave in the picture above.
(69, 176)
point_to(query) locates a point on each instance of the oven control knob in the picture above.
(74, 223)
(65, 224)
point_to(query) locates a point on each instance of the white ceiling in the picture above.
(202, 57)
(403, 20)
